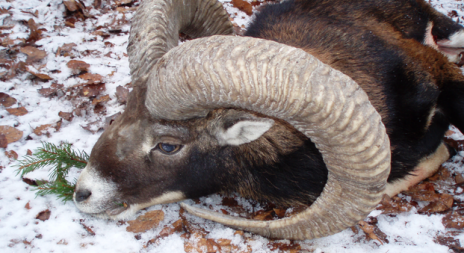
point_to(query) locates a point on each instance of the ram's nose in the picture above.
(82, 195)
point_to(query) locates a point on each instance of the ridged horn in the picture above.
(284, 82)
(157, 25)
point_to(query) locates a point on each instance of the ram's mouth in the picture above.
(114, 212)
(117, 209)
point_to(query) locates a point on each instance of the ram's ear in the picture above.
(237, 128)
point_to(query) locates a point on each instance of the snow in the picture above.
(64, 231)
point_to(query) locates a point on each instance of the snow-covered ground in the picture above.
(101, 41)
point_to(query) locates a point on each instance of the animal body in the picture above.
(271, 121)
(380, 44)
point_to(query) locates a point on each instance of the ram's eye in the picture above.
(169, 149)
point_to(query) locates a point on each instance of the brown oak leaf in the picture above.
(35, 33)
(44, 129)
(71, 5)
(263, 215)
(101, 99)
(372, 232)
(92, 90)
(6, 100)
(91, 78)
(11, 134)
(453, 220)
(77, 66)
(20, 111)
(441, 203)
(44, 215)
(12, 155)
(3, 141)
(68, 116)
(145, 222)
(39, 75)
(243, 6)
(33, 54)
(66, 49)
(394, 205)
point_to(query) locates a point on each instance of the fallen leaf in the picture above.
(28, 205)
(145, 222)
(78, 67)
(81, 109)
(66, 49)
(441, 203)
(29, 181)
(178, 226)
(394, 205)
(93, 90)
(198, 243)
(47, 92)
(459, 178)
(239, 232)
(7, 101)
(443, 174)
(68, 116)
(280, 212)
(230, 202)
(224, 242)
(123, 2)
(81, 6)
(40, 130)
(101, 33)
(243, 6)
(3, 141)
(87, 228)
(263, 215)
(39, 75)
(373, 232)
(122, 94)
(284, 247)
(71, 5)
(33, 54)
(44, 215)
(12, 155)
(91, 78)
(453, 244)
(20, 111)
(11, 134)
(62, 242)
(35, 33)
(99, 109)
(43, 129)
(453, 220)
(422, 192)
(167, 231)
(101, 99)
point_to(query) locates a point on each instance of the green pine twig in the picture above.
(60, 159)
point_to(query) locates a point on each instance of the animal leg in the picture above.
(427, 167)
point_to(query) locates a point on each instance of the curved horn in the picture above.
(159, 22)
(287, 83)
